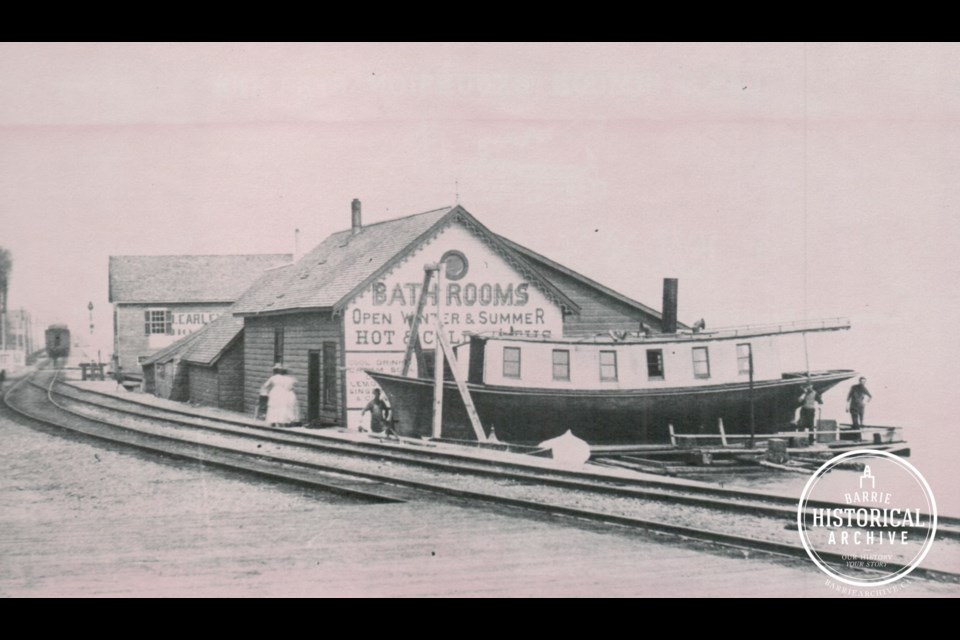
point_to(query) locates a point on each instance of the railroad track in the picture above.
(484, 480)
(178, 449)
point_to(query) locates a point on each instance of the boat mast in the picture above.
(438, 357)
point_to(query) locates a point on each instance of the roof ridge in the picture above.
(204, 255)
(411, 215)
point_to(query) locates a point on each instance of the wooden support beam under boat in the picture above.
(461, 385)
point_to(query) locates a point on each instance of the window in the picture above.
(655, 364)
(456, 264)
(701, 362)
(511, 362)
(608, 366)
(157, 322)
(561, 364)
(278, 345)
(744, 358)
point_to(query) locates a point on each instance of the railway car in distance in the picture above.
(58, 342)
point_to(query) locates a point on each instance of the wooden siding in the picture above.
(230, 374)
(172, 384)
(599, 313)
(220, 385)
(302, 333)
(204, 385)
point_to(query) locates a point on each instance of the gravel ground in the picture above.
(84, 520)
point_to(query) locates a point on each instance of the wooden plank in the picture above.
(437, 428)
(414, 343)
(461, 386)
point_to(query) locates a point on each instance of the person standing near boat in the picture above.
(857, 401)
(282, 407)
(808, 407)
(379, 414)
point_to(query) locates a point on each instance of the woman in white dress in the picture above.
(282, 407)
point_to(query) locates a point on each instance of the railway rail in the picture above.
(327, 463)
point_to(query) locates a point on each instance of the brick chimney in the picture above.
(669, 305)
(355, 224)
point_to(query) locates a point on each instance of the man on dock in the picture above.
(857, 401)
(808, 407)
(379, 415)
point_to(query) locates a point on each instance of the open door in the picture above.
(313, 387)
(322, 392)
(330, 394)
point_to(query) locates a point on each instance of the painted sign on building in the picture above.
(481, 293)
(164, 326)
(186, 323)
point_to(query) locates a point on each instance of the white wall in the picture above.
(492, 296)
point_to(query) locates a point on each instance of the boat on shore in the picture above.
(636, 388)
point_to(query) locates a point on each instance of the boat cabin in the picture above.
(659, 361)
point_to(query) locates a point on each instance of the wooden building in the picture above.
(204, 367)
(347, 305)
(159, 299)
(163, 373)
(214, 364)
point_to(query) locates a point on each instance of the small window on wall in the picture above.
(561, 364)
(655, 364)
(701, 362)
(743, 358)
(158, 322)
(278, 345)
(608, 366)
(511, 362)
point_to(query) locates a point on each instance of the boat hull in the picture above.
(529, 416)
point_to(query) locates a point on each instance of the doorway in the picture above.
(322, 396)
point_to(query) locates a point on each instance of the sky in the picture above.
(777, 181)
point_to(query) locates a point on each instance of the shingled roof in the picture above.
(173, 279)
(172, 351)
(203, 346)
(215, 337)
(535, 257)
(346, 263)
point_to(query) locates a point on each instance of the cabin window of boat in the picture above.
(655, 364)
(608, 366)
(701, 362)
(561, 364)
(511, 362)
(743, 358)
